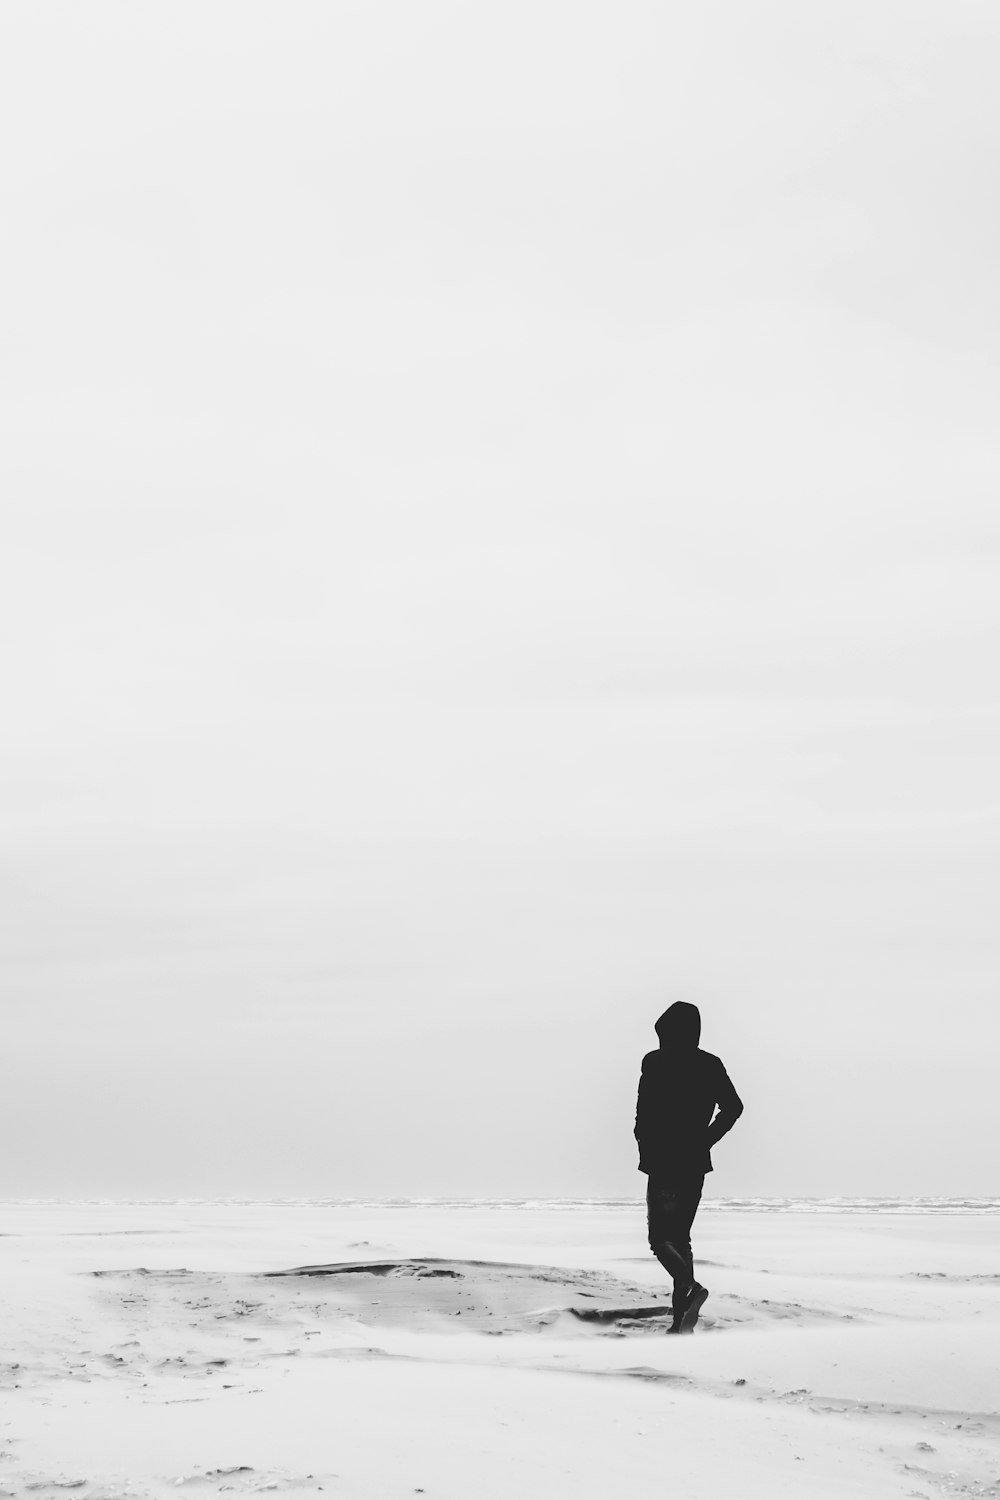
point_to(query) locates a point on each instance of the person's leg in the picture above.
(667, 1233)
(688, 1199)
(687, 1307)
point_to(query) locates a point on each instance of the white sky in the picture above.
(500, 534)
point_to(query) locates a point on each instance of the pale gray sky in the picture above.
(500, 533)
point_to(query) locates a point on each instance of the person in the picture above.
(676, 1125)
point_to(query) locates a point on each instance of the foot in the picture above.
(687, 1309)
(678, 1303)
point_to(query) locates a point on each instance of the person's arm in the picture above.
(730, 1108)
(642, 1107)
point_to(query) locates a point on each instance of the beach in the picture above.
(494, 1350)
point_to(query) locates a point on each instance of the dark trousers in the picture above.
(670, 1211)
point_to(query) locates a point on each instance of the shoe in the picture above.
(691, 1307)
(678, 1305)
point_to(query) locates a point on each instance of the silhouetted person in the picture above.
(679, 1090)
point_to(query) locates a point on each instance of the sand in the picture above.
(487, 1352)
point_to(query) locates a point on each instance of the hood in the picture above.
(679, 1026)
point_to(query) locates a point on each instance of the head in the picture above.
(679, 1026)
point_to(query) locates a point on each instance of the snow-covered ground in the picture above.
(468, 1353)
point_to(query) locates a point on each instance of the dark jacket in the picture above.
(679, 1090)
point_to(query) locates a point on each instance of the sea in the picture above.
(840, 1205)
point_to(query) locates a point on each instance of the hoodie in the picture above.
(680, 1089)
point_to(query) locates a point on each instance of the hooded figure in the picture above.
(678, 1093)
(676, 1125)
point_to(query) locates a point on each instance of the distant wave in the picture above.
(860, 1205)
(842, 1205)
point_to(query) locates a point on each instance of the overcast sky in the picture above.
(500, 533)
